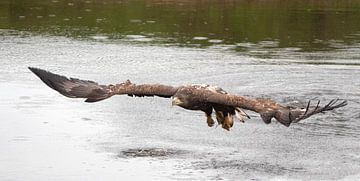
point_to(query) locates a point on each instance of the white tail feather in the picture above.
(241, 115)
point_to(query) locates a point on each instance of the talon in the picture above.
(226, 127)
(228, 122)
(210, 121)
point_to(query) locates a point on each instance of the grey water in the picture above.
(49, 137)
(45, 136)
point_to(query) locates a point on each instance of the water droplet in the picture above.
(21, 17)
(52, 15)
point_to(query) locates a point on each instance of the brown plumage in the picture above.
(193, 97)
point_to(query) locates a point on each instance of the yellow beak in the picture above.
(176, 101)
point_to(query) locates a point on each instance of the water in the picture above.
(256, 28)
(45, 136)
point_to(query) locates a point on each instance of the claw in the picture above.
(210, 121)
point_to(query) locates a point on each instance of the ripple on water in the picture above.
(140, 38)
(135, 21)
(245, 44)
(21, 138)
(215, 41)
(246, 166)
(200, 38)
(100, 37)
(149, 152)
(333, 126)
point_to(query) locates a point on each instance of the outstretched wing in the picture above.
(269, 109)
(93, 92)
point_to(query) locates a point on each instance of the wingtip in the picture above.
(343, 103)
(334, 103)
(36, 71)
(32, 69)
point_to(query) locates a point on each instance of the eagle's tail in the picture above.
(240, 114)
(73, 88)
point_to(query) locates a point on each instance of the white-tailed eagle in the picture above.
(193, 97)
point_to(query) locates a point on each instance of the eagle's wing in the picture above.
(92, 91)
(269, 109)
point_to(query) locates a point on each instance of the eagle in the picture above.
(198, 97)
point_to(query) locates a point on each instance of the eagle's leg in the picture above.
(228, 121)
(209, 119)
(219, 117)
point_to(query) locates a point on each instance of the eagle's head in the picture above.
(178, 101)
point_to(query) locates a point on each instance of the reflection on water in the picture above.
(257, 28)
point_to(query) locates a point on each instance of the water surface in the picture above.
(257, 28)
